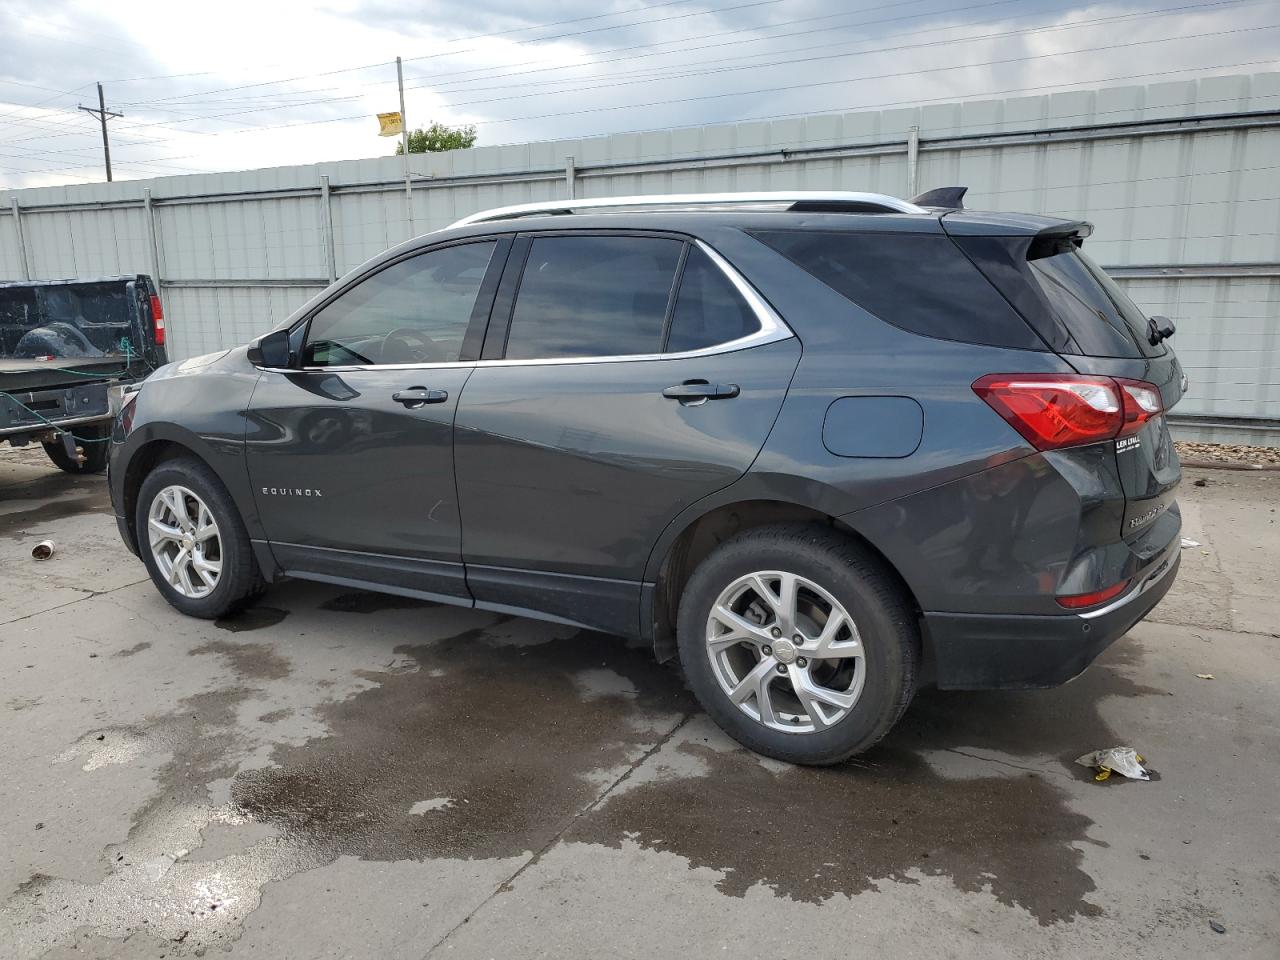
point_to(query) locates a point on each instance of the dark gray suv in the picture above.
(825, 447)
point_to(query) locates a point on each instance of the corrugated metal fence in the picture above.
(1179, 178)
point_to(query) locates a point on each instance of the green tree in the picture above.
(439, 137)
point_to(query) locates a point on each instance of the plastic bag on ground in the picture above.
(1122, 760)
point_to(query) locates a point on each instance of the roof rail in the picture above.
(813, 201)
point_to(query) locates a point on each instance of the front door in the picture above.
(635, 378)
(351, 454)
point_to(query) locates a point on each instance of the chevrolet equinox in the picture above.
(823, 447)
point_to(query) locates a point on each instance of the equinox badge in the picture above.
(292, 492)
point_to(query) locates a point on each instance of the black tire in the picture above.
(871, 595)
(95, 443)
(240, 581)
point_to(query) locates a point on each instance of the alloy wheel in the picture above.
(185, 541)
(785, 651)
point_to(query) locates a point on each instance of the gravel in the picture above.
(1228, 453)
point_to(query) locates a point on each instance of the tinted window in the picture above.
(919, 282)
(709, 310)
(1101, 318)
(592, 297)
(414, 311)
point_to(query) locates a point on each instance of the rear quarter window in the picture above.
(921, 283)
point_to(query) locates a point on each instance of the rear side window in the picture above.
(593, 296)
(1102, 319)
(709, 310)
(919, 282)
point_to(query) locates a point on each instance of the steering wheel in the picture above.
(413, 345)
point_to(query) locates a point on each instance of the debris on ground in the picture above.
(1206, 676)
(1217, 927)
(1234, 454)
(1188, 542)
(1122, 760)
(1202, 482)
(42, 550)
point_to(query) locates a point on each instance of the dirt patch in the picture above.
(130, 651)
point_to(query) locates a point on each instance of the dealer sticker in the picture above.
(1128, 443)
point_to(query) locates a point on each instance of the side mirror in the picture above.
(271, 350)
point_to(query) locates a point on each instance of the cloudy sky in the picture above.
(237, 84)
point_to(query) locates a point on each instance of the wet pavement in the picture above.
(342, 774)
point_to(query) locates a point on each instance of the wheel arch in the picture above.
(682, 549)
(146, 457)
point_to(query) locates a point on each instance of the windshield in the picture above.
(1101, 317)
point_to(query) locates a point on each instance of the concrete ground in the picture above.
(338, 774)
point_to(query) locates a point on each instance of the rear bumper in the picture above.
(982, 651)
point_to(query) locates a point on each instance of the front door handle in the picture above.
(416, 397)
(699, 391)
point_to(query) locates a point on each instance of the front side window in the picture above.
(414, 311)
(593, 296)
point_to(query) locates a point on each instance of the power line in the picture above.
(704, 97)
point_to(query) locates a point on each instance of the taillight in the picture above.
(1052, 411)
(1142, 402)
(157, 321)
(1076, 601)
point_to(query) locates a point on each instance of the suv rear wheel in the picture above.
(193, 541)
(798, 643)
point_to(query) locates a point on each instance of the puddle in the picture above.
(505, 733)
(254, 618)
(478, 747)
(250, 661)
(17, 524)
(810, 834)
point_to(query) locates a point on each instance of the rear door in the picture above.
(351, 452)
(625, 376)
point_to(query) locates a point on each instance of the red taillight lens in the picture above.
(1077, 600)
(157, 321)
(1142, 403)
(1055, 410)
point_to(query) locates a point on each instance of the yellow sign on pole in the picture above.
(390, 124)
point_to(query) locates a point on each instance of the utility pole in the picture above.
(103, 114)
(404, 146)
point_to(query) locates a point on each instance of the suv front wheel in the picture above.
(193, 541)
(798, 643)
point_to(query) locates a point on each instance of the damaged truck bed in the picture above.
(69, 349)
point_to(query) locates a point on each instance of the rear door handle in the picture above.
(699, 391)
(419, 397)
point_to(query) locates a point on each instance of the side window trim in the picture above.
(677, 283)
(772, 327)
(480, 313)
